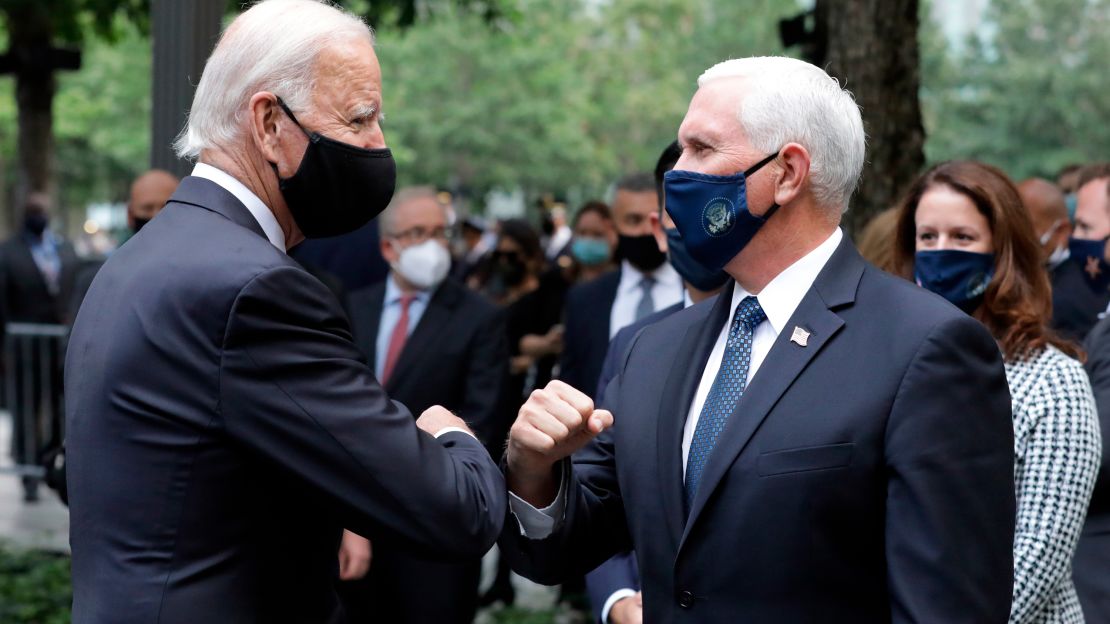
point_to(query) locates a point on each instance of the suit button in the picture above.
(685, 599)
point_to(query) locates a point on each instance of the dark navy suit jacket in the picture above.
(1091, 564)
(864, 477)
(222, 429)
(619, 572)
(586, 330)
(1076, 303)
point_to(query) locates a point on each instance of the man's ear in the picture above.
(657, 232)
(793, 176)
(265, 130)
(388, 252)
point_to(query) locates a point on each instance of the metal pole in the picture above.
(183, 32)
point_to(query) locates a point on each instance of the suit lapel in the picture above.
(678, 392)
(434, 321)
(835, 286)
(603, 329)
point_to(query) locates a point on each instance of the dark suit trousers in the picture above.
(446, 593)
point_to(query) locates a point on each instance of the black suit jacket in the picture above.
(1091, 564)
(222, 429)
(865, 477)
(1076, 304)
(586, 330)
(457, 356)
(24, 297)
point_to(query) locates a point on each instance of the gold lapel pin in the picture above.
(800, 337)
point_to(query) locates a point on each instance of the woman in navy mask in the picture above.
(963, 234)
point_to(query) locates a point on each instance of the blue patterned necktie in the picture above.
(725, 393)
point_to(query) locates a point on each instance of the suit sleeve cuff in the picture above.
(616, 597)
(538, 524)
(447, 430)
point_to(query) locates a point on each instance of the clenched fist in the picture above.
(553, 424)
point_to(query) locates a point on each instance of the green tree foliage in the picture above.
(101, 119)
(558, 96)
(550, 96)
(1028, 91)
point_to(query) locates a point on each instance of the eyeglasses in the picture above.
(419, 234)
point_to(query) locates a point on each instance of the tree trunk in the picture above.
(871, 47)
(34, 93)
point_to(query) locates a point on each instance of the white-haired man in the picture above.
(864, 475)
(222, 427)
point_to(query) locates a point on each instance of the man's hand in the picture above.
(354, 557)
(553, 424)
(436, 418)
(628, 610)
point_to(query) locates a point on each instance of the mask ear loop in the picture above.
(747, 172)
(751, 170)
(292, 117)
(297, 123)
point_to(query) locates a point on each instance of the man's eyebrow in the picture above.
(694, 140)
(364, 109)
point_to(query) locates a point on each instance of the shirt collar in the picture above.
(393, 292)
(47, 241)
(665, 275)
(783, 294)
(253, 204)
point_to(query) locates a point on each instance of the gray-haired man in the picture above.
(222, 427)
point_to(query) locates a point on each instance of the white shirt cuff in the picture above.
(447, 430)
(535, 523)
(613, 599)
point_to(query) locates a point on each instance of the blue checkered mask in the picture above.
(711, 212)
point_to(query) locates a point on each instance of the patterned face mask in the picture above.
(961, 277)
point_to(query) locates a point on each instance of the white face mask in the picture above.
(1047, 236)
(424, 265)
(1058, 257)
(1060, 254)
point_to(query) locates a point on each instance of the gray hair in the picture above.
(787, 100)
(273, 47)
(402, 197)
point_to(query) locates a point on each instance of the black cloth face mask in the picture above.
(642, 251)
(338, 187)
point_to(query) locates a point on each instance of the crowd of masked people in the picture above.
(475, 315)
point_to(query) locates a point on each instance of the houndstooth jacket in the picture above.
(1057, 451)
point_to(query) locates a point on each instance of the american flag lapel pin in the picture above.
(800, 337)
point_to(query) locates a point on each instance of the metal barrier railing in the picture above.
(33, 358)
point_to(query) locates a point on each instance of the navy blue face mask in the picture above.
(711, 212)
(1090, 256)
(961, 277)
(691, 270)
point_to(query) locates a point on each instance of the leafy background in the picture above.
(563, 97)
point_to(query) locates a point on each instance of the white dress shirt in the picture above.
(666, 292)
(779, 299)
(391, 314)
(559, 240)
(258, 209)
